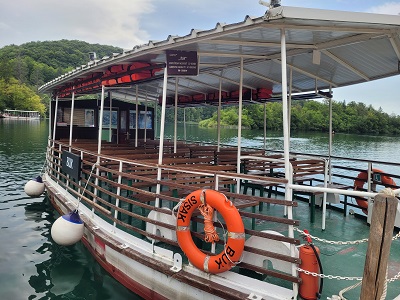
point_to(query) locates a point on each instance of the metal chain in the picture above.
(328, 276)
(396, 236)
(394, 278)
(331, 242)
(357, 242)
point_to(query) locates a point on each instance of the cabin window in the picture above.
(81, 117)
(110, 119)
(89, 117)
(145, 119)
(132, 119)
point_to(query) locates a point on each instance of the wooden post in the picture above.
(380, 240)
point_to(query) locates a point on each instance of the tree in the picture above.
(20, 69)
(14, 95)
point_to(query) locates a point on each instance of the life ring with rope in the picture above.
(206, 201)
(362, 178)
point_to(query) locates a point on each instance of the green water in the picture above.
(33, 267)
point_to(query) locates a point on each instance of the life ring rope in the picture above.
(208, 213)
(234, 236)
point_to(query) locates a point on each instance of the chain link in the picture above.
(357, 242)
(394, 278)
(337, 277)
(396, 236)
(328, 276)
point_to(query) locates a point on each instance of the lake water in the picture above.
(33, 267)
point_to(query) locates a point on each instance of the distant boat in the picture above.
(20, 114)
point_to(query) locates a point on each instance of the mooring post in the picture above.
(380, 240)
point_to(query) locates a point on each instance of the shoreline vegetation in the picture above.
(24, 68)
(308, 115)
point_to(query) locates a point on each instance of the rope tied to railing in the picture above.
(87, 182)
(45, 164)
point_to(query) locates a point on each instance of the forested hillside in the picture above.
(24, 68)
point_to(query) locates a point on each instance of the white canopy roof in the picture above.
(325, 49)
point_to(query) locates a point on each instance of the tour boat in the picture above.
(20, 114)
(176, 219)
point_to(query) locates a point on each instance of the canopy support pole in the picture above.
(330, 140)
(219, 115)
(184, 123)
(176, 114)
(155, 119)
(71, 121)
(239, 149)
(145, 119)
(290, 98)
(137, 116)
(110, 119)
(55, 120)
(286, 146)
(100, 122)
(162, 127)
(265, 126)
(99, 144)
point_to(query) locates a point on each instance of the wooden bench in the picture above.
(260, 167)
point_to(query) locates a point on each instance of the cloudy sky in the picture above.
(126, 23)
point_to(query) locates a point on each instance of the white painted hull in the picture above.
(111, 246)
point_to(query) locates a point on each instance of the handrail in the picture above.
(308, 188)
(315, 155)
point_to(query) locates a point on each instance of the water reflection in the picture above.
(66, 272)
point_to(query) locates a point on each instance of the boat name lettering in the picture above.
(69, 162)
(185, 207)
(224, 258)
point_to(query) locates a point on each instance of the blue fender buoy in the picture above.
(34, 187)
(67, 229)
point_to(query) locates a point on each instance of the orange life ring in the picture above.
(362, 178)
(234, 246)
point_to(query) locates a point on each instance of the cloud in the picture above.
(390, 8)
(114, 22)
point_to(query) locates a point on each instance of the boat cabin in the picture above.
(119, 122)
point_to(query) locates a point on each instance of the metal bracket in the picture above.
(177, 263)
(253, 296)
(123, 246)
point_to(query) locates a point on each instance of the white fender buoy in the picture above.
(67, 229)
(34, 187)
